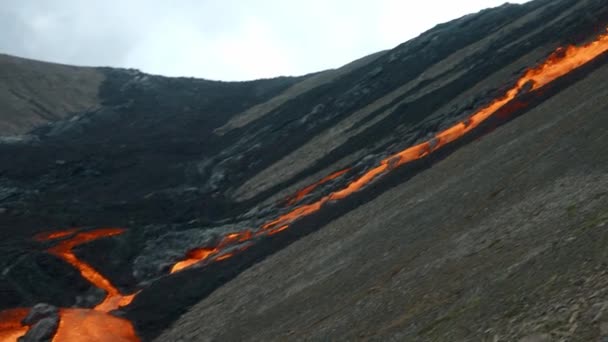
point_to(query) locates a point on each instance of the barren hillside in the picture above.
(33, 93)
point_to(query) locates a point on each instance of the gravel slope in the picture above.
(33, 93)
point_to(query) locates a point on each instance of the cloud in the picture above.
(228, 39)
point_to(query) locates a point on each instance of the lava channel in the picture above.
(561, 62)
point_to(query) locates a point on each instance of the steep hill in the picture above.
(452, 188)
(33, 93)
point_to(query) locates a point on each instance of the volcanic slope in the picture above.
(496, 234)
(502, 240)
(33, 93)
(505, 238)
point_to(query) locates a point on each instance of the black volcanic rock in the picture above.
(42, 331)
(43, 320)
(39, 312)
(27, 279)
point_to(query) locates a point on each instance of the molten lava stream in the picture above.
(10, 324)
(293, 199)
(558, 64)
(75, 325)
(78, 325)
(201, 254)
(63, 250)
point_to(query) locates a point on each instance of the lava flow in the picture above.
(198, 254)
(558, 64)
(113, 299)
(96, 324)
(291, 200)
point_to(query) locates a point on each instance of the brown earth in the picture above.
(33, 93)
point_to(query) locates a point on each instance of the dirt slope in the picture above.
(33, 93)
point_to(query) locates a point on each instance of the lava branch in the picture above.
(76, 324)
(218, 252)
(561, 62)
(300, 194)
(114, 299)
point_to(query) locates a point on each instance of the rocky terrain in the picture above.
(496, 236)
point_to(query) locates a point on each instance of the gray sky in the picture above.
(218, 39)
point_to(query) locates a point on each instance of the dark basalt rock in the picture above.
(43, 320)
(27, 279)
(42, 331)
(39, 312)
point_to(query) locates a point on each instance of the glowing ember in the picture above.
(558, 64)
(90, 325)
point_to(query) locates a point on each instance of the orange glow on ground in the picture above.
(558, 64)
(194, 256)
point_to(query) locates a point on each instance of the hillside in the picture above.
(33, 93)
(503, 239)
(452, 188)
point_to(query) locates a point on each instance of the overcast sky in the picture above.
(218, 39)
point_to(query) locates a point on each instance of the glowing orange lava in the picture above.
(10, 324)
(75, 325)
(291, 200)
(200, 254)
(558, 64)
(194, 256)
(63, 250)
